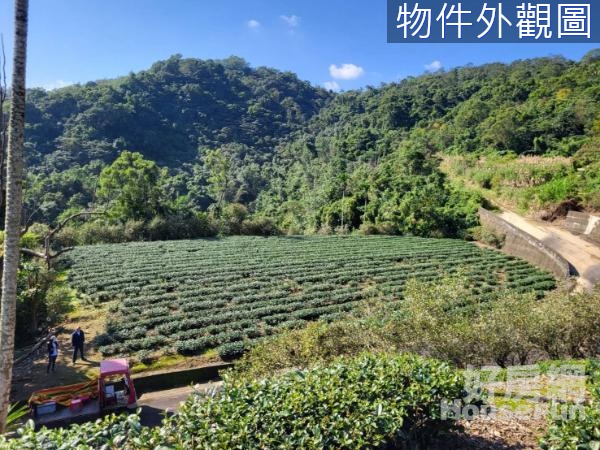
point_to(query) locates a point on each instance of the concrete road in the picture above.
(583, 255)
(155, 405)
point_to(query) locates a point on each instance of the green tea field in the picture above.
(192, 296)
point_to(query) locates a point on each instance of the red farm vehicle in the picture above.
(112, 390)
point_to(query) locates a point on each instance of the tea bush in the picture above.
(434, 319)
(111, 432)
(583, 432)
(365, 402)
(193, 296)
(488, 236)
(358, 403)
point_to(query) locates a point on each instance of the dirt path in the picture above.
(583, 255)
(30, 375)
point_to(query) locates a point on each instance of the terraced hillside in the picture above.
(191, 296)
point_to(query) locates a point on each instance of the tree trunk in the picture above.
(14, 193)
(3, 93)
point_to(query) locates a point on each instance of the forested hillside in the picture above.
(171, 114)
(226, 134)
(168, 112)
(371, 154)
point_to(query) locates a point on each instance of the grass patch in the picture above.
(523, 183)
(164, 362)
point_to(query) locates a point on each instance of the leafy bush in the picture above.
(134, 230)
(368, 228)
(111, 432)
(366, 402)
(59, 301)
(488, 236)
(259, 226)
(574, 434)
(144, 356)
(581, 432)
(232, 350)
(42, 301)
(443, 320)
(231, 218)
(559, 189)
(567, 325)
(179, 226)
(436, 319)
(317, 343)
(359, 403)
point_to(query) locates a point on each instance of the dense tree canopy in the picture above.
(310, 160)
(130, 187)
(168, 112)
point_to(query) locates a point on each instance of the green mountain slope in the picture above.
(313, 160)
(371, 155)
(168, 112)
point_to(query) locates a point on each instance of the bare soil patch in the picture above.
(30, 374)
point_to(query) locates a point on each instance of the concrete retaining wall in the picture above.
(523, 245)
(169, 380)
(584, 224)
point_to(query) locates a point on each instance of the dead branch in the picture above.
(61, 251)
(28, 222)
(48, 255)
(33, 253)
(62, 224)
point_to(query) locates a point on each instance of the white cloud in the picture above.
(346, 71)
(253, 24)
(434, 66)
(292, 21)
(331, 86)
(56, 84)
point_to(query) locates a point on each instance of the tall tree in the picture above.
(14, 193)
(218, 167)
(3, 127)
(130, 188)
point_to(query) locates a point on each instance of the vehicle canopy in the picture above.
(114, 367)
(110, 370)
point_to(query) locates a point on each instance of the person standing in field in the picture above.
(78, 339)
(52, 353)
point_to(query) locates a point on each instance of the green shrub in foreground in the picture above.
(111, 432)
(359, 403)
(365, 402)
(576, 434)
(582, 433)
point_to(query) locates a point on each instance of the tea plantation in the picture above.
(192, 296)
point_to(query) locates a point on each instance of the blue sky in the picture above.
(81, 40)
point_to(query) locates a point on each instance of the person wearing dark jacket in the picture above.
(52, 353)
(78, 339)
